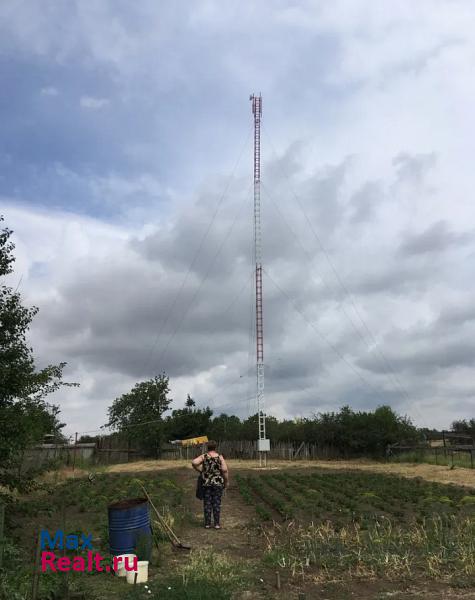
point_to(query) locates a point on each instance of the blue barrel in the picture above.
(129, 528)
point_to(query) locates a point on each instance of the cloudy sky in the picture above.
(126, 174)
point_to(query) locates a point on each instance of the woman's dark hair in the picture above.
(211, 445)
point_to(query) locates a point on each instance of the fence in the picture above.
(279, 450)
(439, 455)
(44, 454)
(117, 449)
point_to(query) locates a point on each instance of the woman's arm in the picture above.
(197, 462)
(224, 471)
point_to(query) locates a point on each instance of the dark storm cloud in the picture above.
(457, 314)
(436, 238)
(392, 279)
(426, 359)
(322, 195)
(413, 168)
(365, 200)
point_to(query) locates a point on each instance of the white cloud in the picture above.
(92, 103)
(49, 91)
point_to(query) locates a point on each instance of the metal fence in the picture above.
(439, 455)
(114, 450)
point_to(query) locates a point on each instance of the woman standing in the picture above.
(214, 475)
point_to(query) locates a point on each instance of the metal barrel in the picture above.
(129, 528)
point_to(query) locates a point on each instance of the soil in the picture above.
(242, 541)
(129, 503)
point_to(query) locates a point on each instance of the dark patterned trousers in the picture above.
(212, 503)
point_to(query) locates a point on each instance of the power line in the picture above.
(200, 247)
(321, 335)
(386, 363)
(228, 308)
(340, 306)
(215, 257)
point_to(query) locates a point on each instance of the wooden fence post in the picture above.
(2, 526)
(36, 567)
(75, 450)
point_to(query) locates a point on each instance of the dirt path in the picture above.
(234, 541)
(235, 518)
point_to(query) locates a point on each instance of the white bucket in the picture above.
(142, 573)
(121, 572)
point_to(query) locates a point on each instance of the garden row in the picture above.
(352, 496)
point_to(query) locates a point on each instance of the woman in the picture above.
(214, 474)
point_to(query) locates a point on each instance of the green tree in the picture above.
(464, 427)
(188, 422)
(25, 417)
(225, 427)
(139, 413)
(190, 403)
(352, 433)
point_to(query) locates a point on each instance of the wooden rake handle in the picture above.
(171, 534)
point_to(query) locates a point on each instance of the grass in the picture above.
(207, 575)
(438, 548)
(364, 525)
(77, 505)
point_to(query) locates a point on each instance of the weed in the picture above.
(438, 548)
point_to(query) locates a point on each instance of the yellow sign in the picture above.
(195, 441)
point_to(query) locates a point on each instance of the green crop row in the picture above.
(249, 498)
(271, 497)
(345, 497)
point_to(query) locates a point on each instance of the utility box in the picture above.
(263, 445)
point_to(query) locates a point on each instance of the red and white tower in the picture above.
(263, 444)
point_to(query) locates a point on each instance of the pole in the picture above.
(2, 527)
(261, 415)
(36, 568)
(75, 449)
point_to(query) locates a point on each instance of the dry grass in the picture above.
(438, 548)
(62, 474)
(441, 474)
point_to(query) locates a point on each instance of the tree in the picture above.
(190, 403)
(225, 427)
(360, 433)
(189, 421)
(464, 427)
(25, 417)
(139, 413)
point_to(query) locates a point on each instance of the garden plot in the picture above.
(79, 506)
(357, 524)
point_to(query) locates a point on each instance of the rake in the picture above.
(174, 540)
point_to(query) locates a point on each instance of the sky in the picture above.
(126, 174)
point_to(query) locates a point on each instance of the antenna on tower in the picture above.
(263, 444)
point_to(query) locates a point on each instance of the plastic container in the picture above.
(121, 571)
(129, 528)
(141, 572)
